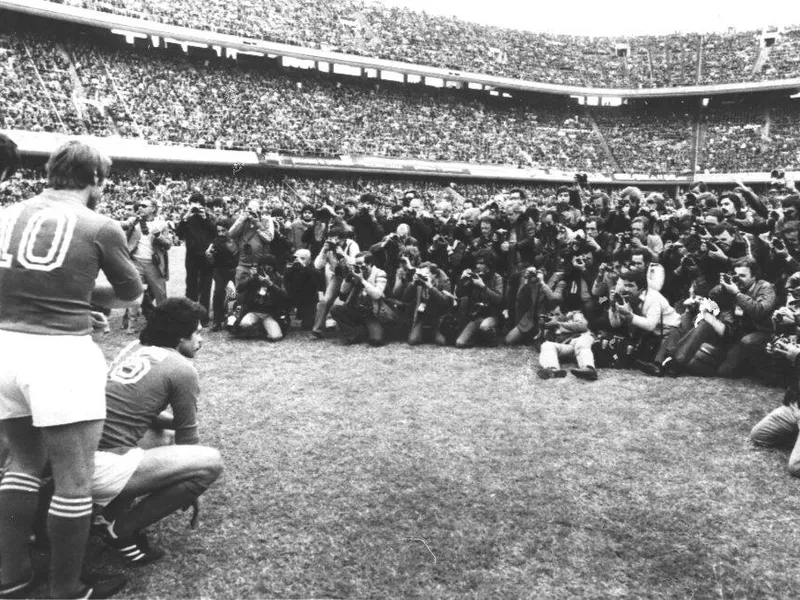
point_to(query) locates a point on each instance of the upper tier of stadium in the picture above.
(369, 28)
(72, 80)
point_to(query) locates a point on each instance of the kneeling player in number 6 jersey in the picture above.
(146, 378)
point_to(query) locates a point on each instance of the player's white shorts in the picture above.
(112, 472)
(55, 379)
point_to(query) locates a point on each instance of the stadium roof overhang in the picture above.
(50, 10)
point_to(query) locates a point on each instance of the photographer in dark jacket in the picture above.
(264, 306)
(197, 229)
(754, 300)
(425, 292)
(303, 284)
(480, 298)
(367, 231)
(223, 257)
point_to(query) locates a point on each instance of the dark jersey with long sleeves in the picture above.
(52, 248)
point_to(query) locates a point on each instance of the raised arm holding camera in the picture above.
(335, 258)
(198, 229)
(252, 232)
(480, 297)
(362, 289)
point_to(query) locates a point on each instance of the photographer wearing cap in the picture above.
(362, 291)
(198, 230)
(252, 232)
(480, 298)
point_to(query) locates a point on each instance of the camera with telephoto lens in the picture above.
(727, 278)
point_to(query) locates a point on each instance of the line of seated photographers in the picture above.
(694, 285)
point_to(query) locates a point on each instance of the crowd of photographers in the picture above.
(705, 283)
(396, 33)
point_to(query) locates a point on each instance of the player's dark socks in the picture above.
(68, 522)
(19, 495)
(40, 522)
(135, 550)
(159, 504)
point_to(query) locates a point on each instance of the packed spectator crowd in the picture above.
(77, 84)
(371, 28)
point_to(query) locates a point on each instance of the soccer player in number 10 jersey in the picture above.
(52, 381)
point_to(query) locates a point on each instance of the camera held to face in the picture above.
(468, 277)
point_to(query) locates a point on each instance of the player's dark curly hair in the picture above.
(9, 157)
(172, 320)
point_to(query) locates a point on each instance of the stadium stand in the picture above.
(370, 28)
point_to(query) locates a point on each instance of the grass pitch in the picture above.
(435, 472)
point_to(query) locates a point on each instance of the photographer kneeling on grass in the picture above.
(147, 377)
(480, 298)
(364, 310)
(425, 294)
(264, 306)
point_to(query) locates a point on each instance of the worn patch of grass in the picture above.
(392, 472)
